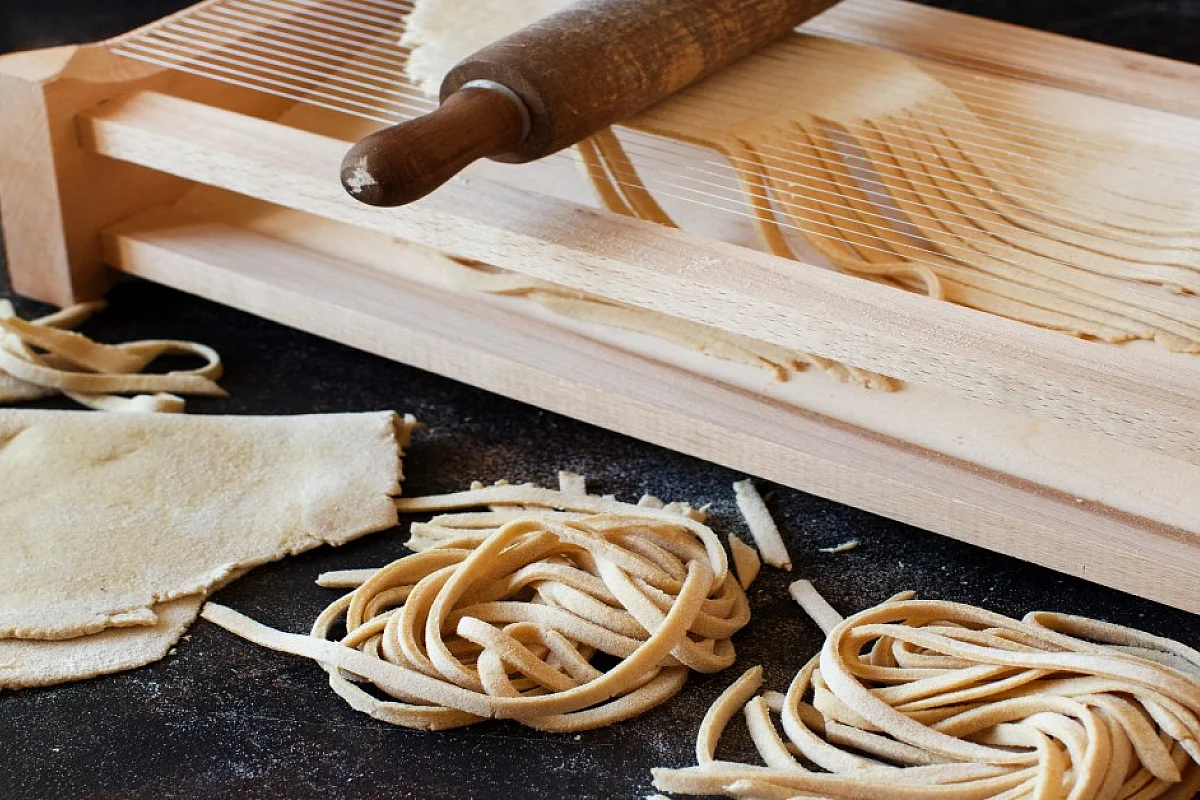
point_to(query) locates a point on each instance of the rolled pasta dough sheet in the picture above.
(104, 516)
(25, 663)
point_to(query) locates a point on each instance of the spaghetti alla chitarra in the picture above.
(502, 613)
(922, 699)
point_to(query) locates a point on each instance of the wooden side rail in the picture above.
(1011, 50)
(55, 196)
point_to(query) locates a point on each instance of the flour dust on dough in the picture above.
(102, 517)
(26, 663)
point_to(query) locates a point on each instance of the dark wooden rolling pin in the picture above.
(560, 80)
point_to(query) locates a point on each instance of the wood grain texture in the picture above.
(1088, 467)
(52, 251)
(980, 359)
(56, 196)
(403, 163)
(1001, 48)
(573, 73)
(973, 355)
(481, 341)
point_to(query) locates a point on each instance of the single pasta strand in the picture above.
(804, 593)
(762, 526)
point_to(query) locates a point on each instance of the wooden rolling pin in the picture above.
(560, 80)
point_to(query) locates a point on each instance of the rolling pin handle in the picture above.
(405, 162)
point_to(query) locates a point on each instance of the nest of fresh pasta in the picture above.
(561, 611)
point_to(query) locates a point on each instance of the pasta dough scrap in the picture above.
(746, 562)
(102, 517)
(572, 483)
(818, 610)
(25, 663)
(13, 390)
(706, 339)
(501, 613)
(918, 699)
(43, 358)
(762, 526)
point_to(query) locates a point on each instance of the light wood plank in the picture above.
(1001, 48)
(993, 361)
(482, 341)
(56, 196)
(1087, 466)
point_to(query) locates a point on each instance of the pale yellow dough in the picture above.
(443, 32)
(104, 516)
(26, 663)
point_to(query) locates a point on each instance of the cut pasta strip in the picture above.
(746, 562)
(804, 593)
(762, 526)
(570, 483)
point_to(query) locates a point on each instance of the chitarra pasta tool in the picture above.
(927, 265)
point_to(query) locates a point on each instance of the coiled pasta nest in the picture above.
(919, 699)
(563, 612)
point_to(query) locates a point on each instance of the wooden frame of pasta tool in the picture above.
(1078, 456)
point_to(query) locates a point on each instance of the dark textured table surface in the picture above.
(223, 718)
